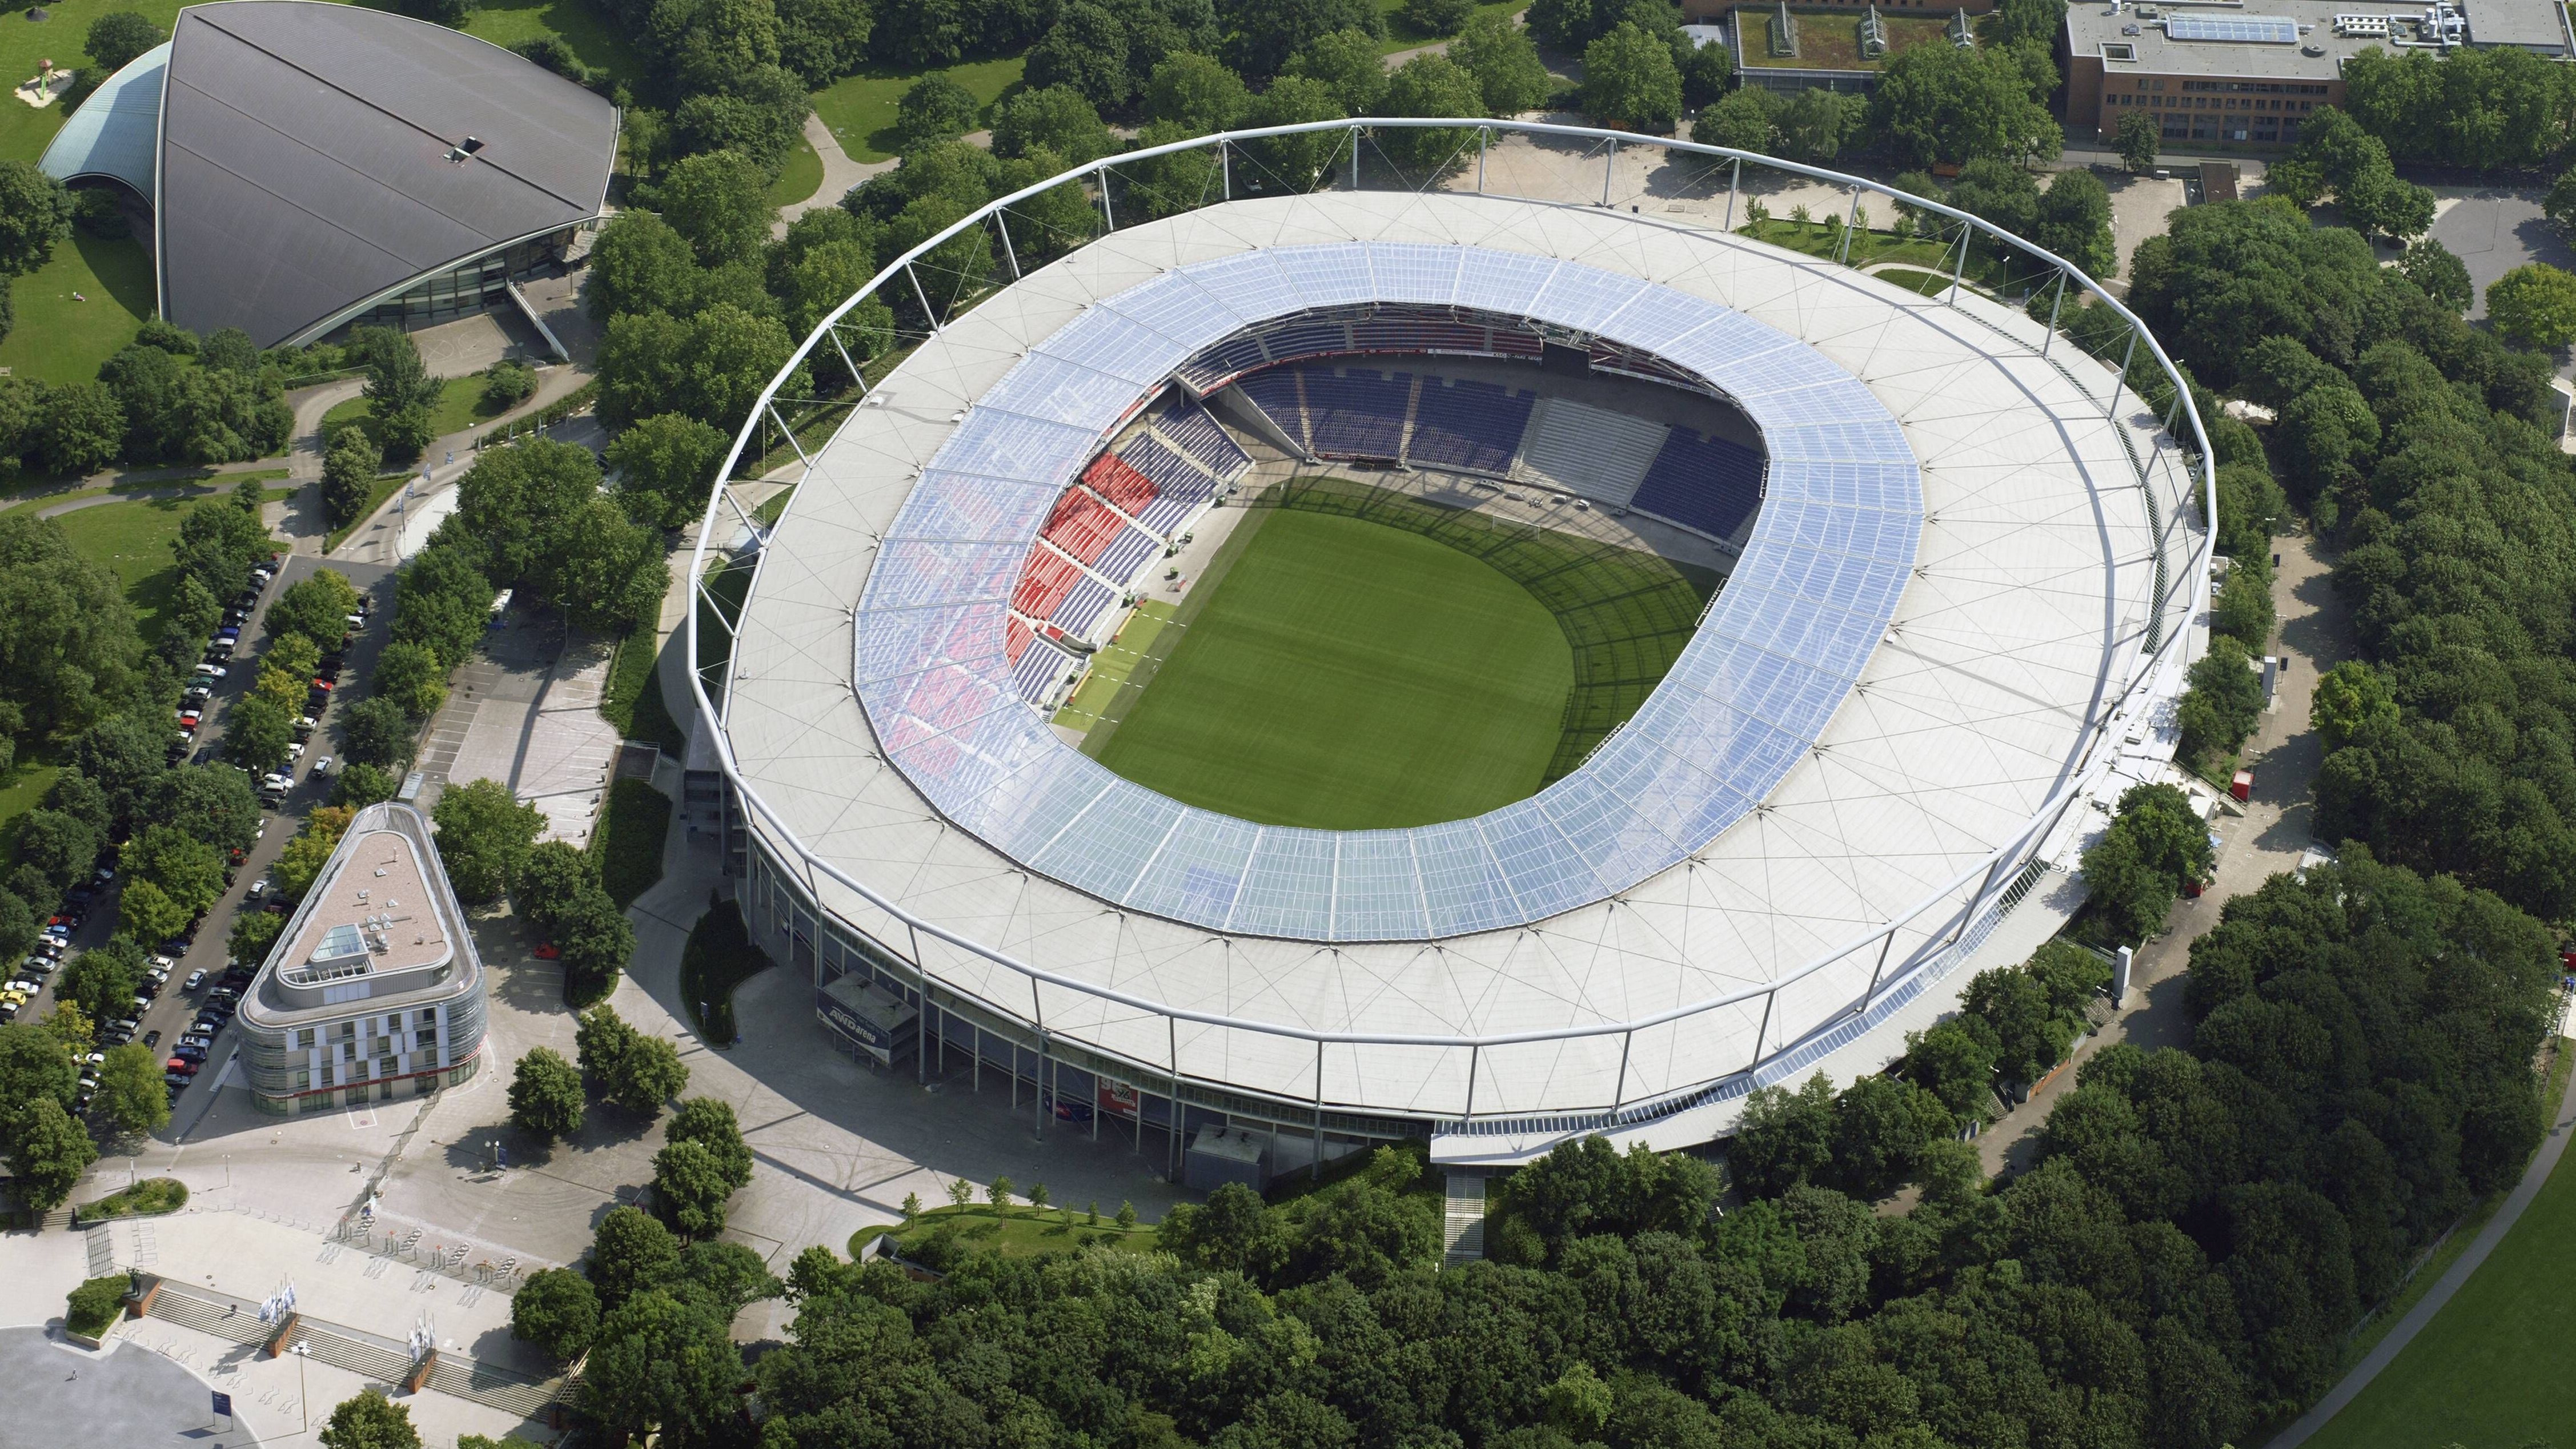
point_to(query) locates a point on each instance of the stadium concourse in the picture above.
(1940, 623)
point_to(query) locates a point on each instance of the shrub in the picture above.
(94, 1306)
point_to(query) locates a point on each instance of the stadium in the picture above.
(1491, 655)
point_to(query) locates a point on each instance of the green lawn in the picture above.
(133, 540)
(593, 41)
(382, 489)
(59, 339)
(459, 406)
(1349, 675)
(633, 699)
(1400, 36)
(1930, 284)
(860, 108)
(2479, 1374)
(628, 841)
(1021, 1232)
(802, 178)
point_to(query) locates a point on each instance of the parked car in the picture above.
(198, 1039)
(210, 671)
(195, 980)
(259, 887)
(152, 1038)
(322, 766)
(177, 1081)
(193, 1055)
(125, 1024)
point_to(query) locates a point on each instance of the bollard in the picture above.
(2120, 977)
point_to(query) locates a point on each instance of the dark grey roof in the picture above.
(304, 159)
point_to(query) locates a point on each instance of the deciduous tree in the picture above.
(483, 836)
(546, 1099)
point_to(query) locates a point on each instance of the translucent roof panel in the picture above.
(2242, 29)
(1750, 694)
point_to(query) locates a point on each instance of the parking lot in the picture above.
(168, 1015)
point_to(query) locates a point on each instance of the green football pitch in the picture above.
(1368, 661)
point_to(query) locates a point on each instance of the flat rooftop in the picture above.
(2301, 40)
(381, 891)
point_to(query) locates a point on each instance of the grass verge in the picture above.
(133, 540)
(718, 958)
(633, 699)
(2480, 1372)
(150, 1197)
(376, 495)
(459, 406)
(628, 841)
(593, 41)
(1014, 1232)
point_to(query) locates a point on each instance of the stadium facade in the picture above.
(306, 165)
(1967, 579)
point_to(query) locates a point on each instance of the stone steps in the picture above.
(1462, 1221)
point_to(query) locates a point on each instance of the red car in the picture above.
(322, 684)
(549, 952)
(180, 1065)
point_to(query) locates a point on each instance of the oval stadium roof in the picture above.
(112, 134)
(316, 157)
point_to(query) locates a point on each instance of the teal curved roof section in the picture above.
(117, 130)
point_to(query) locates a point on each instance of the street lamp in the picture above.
(303, 1400)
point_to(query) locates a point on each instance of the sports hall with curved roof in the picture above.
(1938, 625)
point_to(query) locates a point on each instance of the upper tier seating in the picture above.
(1598, 454)
(1276, 392)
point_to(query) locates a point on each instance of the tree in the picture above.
(410, 676)
(149, 914)
(601, 1040)
(2074, 220)
(1291, 163)
(102, 982)
(1881, 1129)
(1430, 85)
(664, 466)
(718, 202)
(2444, 277)
(689, 1188)
(711, 366)
(359, 785)
(1348, 64)
(396, 377)
(639, 263)
(78, 428)
(48, 1152)
(35, 1068)
(2155, 843)
(2559, 204)
(377, 731)
(555, 875)
(370, 1421)
(211, 803)
(252, 934)
(823, 40)
(709, 1122)
(257, 731)
(2140, 135)
(1086, 52)
(1815, 125)
(2534, 304)
(1056, 119)
(557, 1310)
(116, 38)
(67, 642)
(546, 1099)
(919, 36)
(1260, 35)
(1944, 103)
(663, 1365)
(1505, 64)
(1195, 91)
(630, 1254)
(130, 1090)
(649, 1072)
(483, 836)
(1741, 120)
(934, 108)
(35, 213)
(187, 867)
(301, 862)
(316, 608)
(2225, 700)
(1629, 80)
(508, 383)
(1784, 1138)
(1955, 1061)
(1435, 17)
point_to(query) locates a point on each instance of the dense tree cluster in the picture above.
(2505, 107)
(2179, 1271)
(632, 1071)
(163, 398)
(2339, 156)
(557, 891)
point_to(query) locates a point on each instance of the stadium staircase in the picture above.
(1589, 451)
(1462, 1222)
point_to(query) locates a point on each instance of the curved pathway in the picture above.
(2553, 1147)
(840, 173)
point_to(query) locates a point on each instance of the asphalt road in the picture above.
(172, 1011)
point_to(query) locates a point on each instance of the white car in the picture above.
(322, 766)
(258, 888)
(165, 962)
(295, 750)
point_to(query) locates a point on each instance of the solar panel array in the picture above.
(2245, 29)
(1778, 652)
